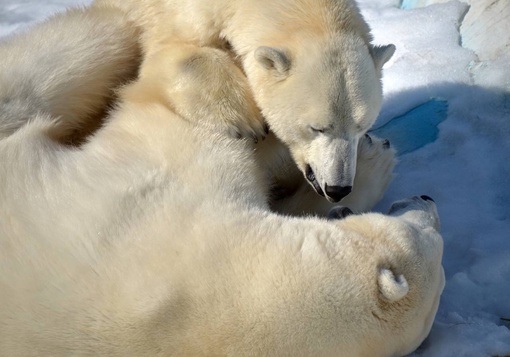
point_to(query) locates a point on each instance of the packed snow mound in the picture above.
(485, 30)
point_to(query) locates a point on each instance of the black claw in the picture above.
(386, 144)
(255, 139)
(426, 198)
(239, 136)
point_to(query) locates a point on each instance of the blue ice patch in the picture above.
(408, 4)
(416, 128)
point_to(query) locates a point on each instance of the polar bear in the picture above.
(311, 67)
(83, 55)
(154, 238)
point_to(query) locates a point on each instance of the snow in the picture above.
(15, 14)
(465, 169)
(462, 160)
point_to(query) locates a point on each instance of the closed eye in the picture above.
(316, 130)
(320, 129)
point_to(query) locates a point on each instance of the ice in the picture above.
(416, 128)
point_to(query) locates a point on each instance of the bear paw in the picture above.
(204, 85)
(251, 127)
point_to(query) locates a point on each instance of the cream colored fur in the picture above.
(83, 55)
(68, 67)
(154, 238)
(374, 170)
(313, 73)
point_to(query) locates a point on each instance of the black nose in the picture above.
(337, 192)
(426, 198)
(339, 212)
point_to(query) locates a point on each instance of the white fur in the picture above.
(154, 238)
(374, 168)
(309, 63)
(391, 287)
(83, 55)
(68, 67)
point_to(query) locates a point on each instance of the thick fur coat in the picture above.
(313, 73)
(154, 237)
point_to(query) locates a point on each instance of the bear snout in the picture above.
(415, 202)
(420, 210)
(336, 193)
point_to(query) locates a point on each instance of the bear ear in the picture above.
(273, 59)
(339, 212)
(391, 287)
(382, 54)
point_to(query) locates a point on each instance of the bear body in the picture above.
(155, 238)
(313, 73)
(84, 55)
(68, 66)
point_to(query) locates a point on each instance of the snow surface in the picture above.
(464, 166)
